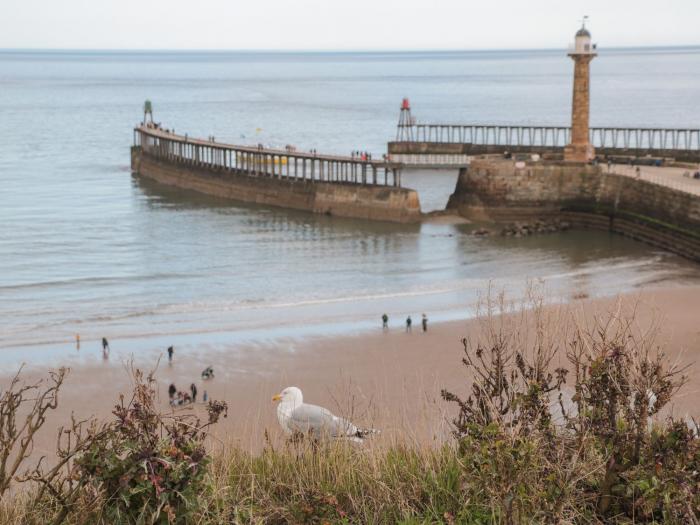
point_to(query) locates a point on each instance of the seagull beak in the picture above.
(276, 397)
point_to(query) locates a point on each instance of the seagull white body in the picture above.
(296, 416)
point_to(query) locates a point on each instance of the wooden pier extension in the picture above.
(330, 184)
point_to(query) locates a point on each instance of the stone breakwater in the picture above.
(584, 195)
(381, 203)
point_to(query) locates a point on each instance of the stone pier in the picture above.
(332, 185)
(498, 189)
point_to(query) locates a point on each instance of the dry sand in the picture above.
(389, 380)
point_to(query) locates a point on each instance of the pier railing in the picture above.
(257, 161)
(550, 136)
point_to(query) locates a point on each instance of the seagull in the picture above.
(296, 416)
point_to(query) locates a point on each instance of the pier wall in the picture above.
(382, 203)
(493, 189)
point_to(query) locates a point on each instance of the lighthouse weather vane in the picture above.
(583, 20)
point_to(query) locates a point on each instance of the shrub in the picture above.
(148, 467)
(603, 461)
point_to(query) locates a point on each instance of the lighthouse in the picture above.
(580, 149)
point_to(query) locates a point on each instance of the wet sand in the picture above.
(389, 380)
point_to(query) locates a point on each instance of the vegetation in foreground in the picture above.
(532, 444)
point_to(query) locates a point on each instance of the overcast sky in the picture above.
(342, 25)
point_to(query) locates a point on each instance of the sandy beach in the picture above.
(388, 380)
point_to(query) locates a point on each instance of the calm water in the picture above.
(86, 248)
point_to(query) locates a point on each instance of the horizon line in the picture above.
(321, 51)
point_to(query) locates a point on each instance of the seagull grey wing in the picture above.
(319, 421)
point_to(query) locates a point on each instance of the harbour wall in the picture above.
(494, 189)
(381, 203)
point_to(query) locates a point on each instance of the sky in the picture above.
(342, 25)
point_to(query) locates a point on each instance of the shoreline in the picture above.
(268, 323)
(388, 380)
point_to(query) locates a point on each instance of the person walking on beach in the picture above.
(105, 345)
(408, 323)
(172, 390)
(424, 322)
(171, 350)
(193, 389)
(385, 322)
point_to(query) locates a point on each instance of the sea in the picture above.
(89, 249)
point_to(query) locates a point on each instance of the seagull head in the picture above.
(291, 394)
